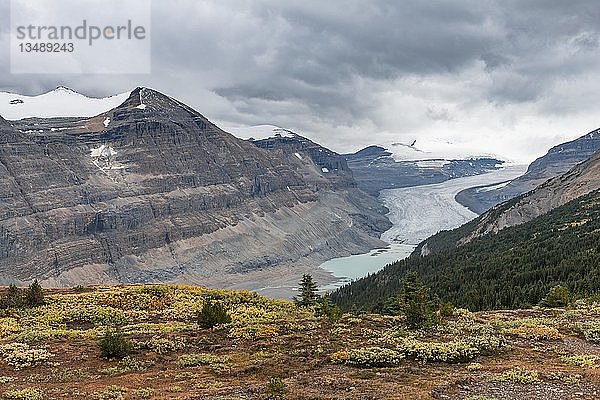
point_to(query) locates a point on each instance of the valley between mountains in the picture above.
(476, 279)
(140, 188)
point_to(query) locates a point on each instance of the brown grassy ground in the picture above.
(273, 350)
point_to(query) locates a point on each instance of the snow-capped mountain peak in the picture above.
(60, 102)
(65, 89)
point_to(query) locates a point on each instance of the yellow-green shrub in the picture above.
(517, 375)
(20, 355)
(24, 394)
(587, 361)
(450, 352)
(541, 332)
(368, 357)
(195, 359)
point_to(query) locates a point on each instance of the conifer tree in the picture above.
(12, 298)
(415, 301)
(35, 295)
(308, 292)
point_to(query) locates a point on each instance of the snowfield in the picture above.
(434, 151)
(258, 132)
(416, 213)
(60, 102)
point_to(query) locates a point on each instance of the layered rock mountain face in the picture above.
(152, 191)
(332, 169)
(556, 162)
(374, 169)
(580, 180)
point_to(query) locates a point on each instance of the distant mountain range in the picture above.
(376, 168)
(139, 187)
(580, 180)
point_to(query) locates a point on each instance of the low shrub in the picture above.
(21, 355)
(275, 388)
(114, 345)
(24, 394)
(6, 379)
(569, 379)
(185, 376)
(213, 314)
(536, 332)
(112, 393)
(79, 289)
(195, 359)
(517, 375)
(125, 366)
(144, 393)
(449, 352)
(586, 361)
(368, 357)
(488, 344)
(163, 345)
(591, 331)
(474, 367)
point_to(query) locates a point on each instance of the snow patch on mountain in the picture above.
(60, 102)
(433, 150)
(259, 132)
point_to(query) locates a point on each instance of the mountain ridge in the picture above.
(580, 180)
(59, 102)
(376, 168)
(557, 161)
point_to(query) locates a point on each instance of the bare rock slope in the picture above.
(559, 160)
(580, 180)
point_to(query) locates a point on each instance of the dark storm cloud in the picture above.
(311, 53)
(365, 66)
(378, 40)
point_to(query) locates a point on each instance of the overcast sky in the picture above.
(511, 77)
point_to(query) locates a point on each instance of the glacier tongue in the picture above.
(416, 213)
(421, 211)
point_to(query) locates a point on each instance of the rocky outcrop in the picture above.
(580, 180)
(329, 169)
(152, 191)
